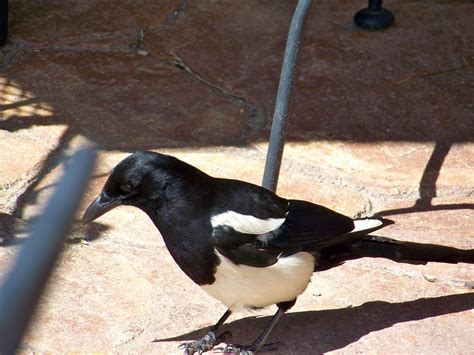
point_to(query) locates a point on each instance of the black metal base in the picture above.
(374, 19)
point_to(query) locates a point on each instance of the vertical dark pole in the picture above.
(27, 278)
(3, 21)
(375, 5)
(280, 116)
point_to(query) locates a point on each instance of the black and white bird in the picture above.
(242, 244)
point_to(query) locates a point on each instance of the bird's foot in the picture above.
(205, 344)
(246, 350)
(236, 349)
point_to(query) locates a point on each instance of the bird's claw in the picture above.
(193, 347)
(247, 350)
(205, 344)
(236, 349)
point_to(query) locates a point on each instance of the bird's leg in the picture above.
(208, 341)
(261, 339)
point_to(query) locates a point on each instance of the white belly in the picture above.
(238, 286)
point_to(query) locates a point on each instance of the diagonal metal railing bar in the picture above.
(26, 280)
(280, 115)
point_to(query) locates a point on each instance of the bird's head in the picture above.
(140, 180)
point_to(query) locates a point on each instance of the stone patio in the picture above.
(380, 122)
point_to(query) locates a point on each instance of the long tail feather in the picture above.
(403, 252)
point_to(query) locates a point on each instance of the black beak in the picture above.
(98, 207)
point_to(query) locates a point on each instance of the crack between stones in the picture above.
(135, 46)
(17, 188)
(257, 117)
(173, 16)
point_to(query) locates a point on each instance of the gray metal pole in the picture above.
(280, 116)
(27, 278)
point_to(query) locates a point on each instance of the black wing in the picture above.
(248, 199)
(241, 248)
(234, 238)
(310, 227)
(304, 226)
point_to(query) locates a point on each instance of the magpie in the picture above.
(243, 244)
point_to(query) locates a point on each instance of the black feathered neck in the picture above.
(178, 198)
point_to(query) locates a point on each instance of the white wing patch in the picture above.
(363, 224)
(245, 223)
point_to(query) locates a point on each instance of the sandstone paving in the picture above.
(380, 123)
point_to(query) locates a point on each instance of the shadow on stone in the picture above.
(87, 233)
(329, 330)
(12, 230)
(427, 187)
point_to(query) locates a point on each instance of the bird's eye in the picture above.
(127, 188)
